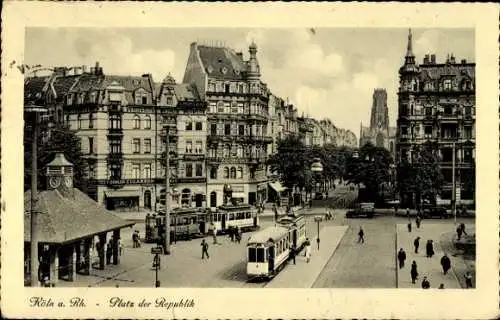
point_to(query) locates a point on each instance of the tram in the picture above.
(268, 250)
(185, 223)
(243, 216)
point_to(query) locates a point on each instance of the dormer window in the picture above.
(210, 69)
(237, 72)
(144, 100)
(170, 101)
(224, 70)
(447, 84)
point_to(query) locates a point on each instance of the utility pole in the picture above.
(34, 264)
(454, 187)
(166, 245)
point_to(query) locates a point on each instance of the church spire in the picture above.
(409, 48)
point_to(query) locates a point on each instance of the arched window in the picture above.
(137, 122)
(147, 122)
(226, 173)
(233, 172)
(213, 173)
(186, 197)
(239, 174)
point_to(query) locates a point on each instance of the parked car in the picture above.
(363, 209)
(435, 212)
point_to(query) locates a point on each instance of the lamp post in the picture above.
(318, 220)
(34, 262)
(156, 262)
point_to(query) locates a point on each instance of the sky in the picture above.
(325, 72)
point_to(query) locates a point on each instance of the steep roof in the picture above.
(436, 71)
(130, 83)
(184, 91)
(222, 63)
(69, 216)
(62, 85)
(34, 85)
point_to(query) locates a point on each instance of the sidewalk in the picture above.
(303, 274)
(429, 267)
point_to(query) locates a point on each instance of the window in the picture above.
(252, 257)
(233, 173)
(115, 146)
(147, 122)
(199, 170)
(115, 172)
(428, 130)
(199, 147)
(240, 88)
(260, 255)
(147, 145)
(225, 151)
(91, 145)
(447, 84)
(227, 129)
(115, 121)
(137, 145)
(213, 173)
(468, 155)
(189, 169)
(404, 110)
(170, 101)
(144, 100)
(404, 131)
(185, 197)
(189, 126)
(91, 120)
(136, 171)
(189, 146)
(468, 111)
(448, 110)
(213, 129)
(241, 129)
(252, 174)
(468, 132)
(428, 112)
(147, 171)
(199, 126)
(220, 107)
(226, 173)
(239, 174)
(234, 107)
(226, 88)
(91, 171)
(137, 122)
(79, 121)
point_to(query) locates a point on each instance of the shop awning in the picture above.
(238, 195)
(277, 186)
(121, 194)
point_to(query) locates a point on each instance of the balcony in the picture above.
(265, 139)
(193, 156)
(115, 132)
(227, 137)
(115, 157)
(257, 116)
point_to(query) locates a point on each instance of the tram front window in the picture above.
(260, 255)
(251, 255)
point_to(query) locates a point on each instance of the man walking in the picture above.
(429, 249)
(401, 258)
(409, 225)
(361, 235)
(416, 244)
(214, 233)
(445, 263)
(418, 221)
(204, 249)
(459, 233)
(413, 272)
(293, 253)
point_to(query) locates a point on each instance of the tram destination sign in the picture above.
(156, 250)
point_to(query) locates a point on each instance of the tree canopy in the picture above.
(50, 142)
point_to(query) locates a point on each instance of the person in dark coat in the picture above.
(418, 221)
(441, 286)
(462, 227)
(468, 280)
(409, 225)
(429, 249)
(413, 272)
(204, 249)
(401, 258)
(445, 263)
(231, 233)
(361, 235)
(293, 253)
(416, 244)
(425, 283)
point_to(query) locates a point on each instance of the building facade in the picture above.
(237, 118)
(379, 133)
(437, 108)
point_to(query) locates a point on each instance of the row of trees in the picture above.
(371, 167)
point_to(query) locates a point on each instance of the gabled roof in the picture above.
(436, 71)
(67, 217)
(184, 91)
(216, 60)
(34, 86)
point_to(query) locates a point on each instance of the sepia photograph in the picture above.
(247, 157)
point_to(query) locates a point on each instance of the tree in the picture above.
(50, 142)
(371, 169)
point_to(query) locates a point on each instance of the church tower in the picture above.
(253, 71)
(380, 114)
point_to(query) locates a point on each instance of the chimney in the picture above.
(433, 59)
(426, 59)
(452, 59)
(60, 71)
(464, 61)
(240, 55)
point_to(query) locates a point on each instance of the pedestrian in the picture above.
(445, 263)
(307, 243)
(441, 286)
(231, 233)
(418, 221)
(408, 213)
(109, 253)
(293, 250)
(416, 244)
(429, 249)
(409, 225)
(238, 234)
(204, 249)
(462, 227)
(134, 240)
(468, 280)
(459, 233)
(401, 258)
(308, 252)
(425, 283)
(214, 233)
(361, 235)
(413, 272)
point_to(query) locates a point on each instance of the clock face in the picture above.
(68, 181)
(55, 182)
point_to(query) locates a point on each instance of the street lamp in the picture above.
(156, 261)
(318, 220)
